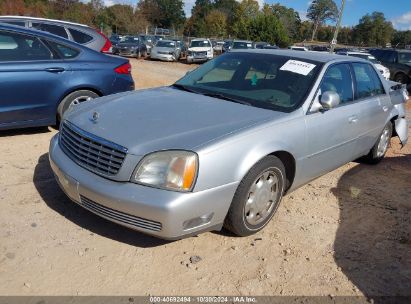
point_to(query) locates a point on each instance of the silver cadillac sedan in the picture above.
(221, 146)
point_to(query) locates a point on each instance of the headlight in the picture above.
(173, 170)
(189, 53)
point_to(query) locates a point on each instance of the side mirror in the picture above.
(329, 100)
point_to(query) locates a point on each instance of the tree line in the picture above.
(273, 23)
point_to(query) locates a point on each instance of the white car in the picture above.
(298, 48)
(382, 69)
(200, 50)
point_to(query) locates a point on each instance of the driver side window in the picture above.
(338, 79)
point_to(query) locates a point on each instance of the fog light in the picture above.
(198, 221)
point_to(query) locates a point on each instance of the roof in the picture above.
(41, 19)
(358, 53)
(315, 56)
(31, 31)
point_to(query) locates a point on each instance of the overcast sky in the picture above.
(397, 11)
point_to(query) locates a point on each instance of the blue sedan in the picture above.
(43, 75)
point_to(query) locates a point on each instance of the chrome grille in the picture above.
(91, 152)
(200, 54)
(119, 216)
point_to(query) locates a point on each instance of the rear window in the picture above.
(367, 81)
(65, 51)
(51, 28)
(80, 37)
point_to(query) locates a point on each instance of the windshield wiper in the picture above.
(225, 97)
(209, 94)
(184, 88)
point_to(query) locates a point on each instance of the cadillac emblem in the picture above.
(95, 117)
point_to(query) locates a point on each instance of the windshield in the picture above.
(165, 43)
(242, 45)
(129, 39)
(266, 81)
(366, 57)
(404, 58)
(200, 43)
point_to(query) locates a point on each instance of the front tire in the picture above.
(378, 151)
(74, 99)
(257, 197)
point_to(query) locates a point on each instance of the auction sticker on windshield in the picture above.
(299, 67)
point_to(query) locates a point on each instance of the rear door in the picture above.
(332, 135)
(375, 105)
(30, 79)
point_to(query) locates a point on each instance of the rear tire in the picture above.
(378, 151)
(74, 99)
(257, 197)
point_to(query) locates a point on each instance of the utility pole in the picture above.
(337, 28)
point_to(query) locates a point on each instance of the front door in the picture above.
(29, 77)
(331, 136)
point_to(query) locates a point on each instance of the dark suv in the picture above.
(398, 61)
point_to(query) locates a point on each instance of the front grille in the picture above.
(91, 152)
(119, 216)
(200, 54)
(164, 53)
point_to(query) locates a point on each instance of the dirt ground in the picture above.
(347, 233)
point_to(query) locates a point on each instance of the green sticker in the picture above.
(254, 80)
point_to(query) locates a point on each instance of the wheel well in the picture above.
(289, 163)
(75, 90)
(394, 133)
(400, 73)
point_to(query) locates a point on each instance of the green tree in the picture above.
(373, 30)
(346, 35)
(195, 25)
(267, 27)
(227, 7)
(289, 18)
(245, 12)
(216, 22)
(163, 13)
(321, 11)
(401, 38)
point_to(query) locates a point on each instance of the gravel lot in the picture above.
(347, 233)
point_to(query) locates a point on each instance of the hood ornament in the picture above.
(95, 117)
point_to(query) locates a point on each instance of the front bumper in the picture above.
(128, 52)
(157, 212)
(164, 57)
(191, 58)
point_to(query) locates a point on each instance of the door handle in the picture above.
(55, 70)
(353, 119)
(385, 108)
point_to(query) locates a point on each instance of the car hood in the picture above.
(163, 49)
(164, 118)
(380, 67)
(199, 49)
